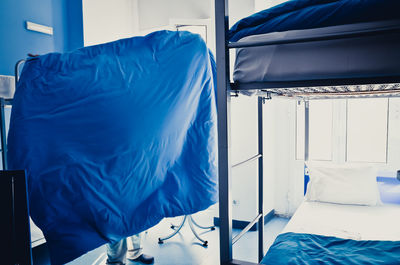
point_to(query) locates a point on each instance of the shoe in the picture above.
(145, 259)
(114, 263)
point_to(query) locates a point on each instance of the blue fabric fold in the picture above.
(300, 249)
(306, 14)
(115, 137)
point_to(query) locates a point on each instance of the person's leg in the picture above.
(135, 255)
(116, 252)
(136, 250)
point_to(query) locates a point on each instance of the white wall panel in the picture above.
(367, 126)
(105, 20)
(393, 151)
(282, 170)
(264, 4)
(320, 129)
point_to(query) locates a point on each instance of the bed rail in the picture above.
(246, 229)
(332, 36)
(247, 160)
(17, 70)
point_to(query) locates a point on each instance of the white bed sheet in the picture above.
(37, 237)
(347, 221)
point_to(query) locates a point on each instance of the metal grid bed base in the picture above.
(329, 92)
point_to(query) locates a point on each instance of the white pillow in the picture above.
(343, 185)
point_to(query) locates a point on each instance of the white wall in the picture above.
(283, 173)
(264, 4)
(105, 20)
(157, 13)
(394, 136)
(162, 14)
(239, 9)
(243, 146)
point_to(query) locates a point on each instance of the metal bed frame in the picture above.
(226, 89)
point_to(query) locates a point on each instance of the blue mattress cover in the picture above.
(115, 137)
(299, 249)
(306, 14)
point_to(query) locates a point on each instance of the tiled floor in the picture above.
(185, 249)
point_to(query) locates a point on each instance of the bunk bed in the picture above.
(302, 50)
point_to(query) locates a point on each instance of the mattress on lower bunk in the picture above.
(357, 57)
(347, 221)
(322, 233)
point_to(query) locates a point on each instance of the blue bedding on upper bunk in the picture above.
(305, 14)
(115, 137)
(300, 249)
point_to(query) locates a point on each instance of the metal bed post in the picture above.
(16, 233)
(16, 70)
(3, 134)
(260, 181)
(306, 130)
(223, 105)
(306, 143)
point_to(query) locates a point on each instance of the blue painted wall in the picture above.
(65, 16)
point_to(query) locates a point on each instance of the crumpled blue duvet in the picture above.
(301, 249)
(306, 14)
(115, 137)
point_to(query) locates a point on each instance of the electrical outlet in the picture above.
(235, 202)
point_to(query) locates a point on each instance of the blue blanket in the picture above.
(301, 249)
(115, 137)
(305, 14)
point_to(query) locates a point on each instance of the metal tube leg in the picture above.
(3, 135)
(223, 106)
(161, 240)
(201, 227)
(306, 129)
(175, 226)
(260, 181)
(205, 243)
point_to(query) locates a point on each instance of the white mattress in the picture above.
(347, 221)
